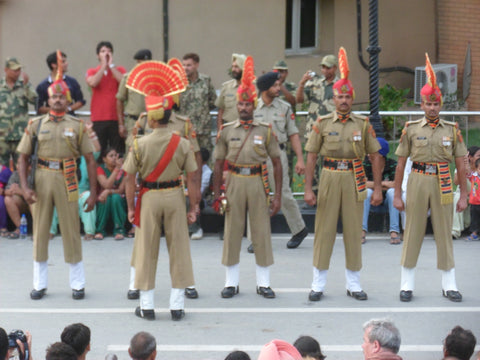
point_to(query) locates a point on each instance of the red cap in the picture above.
(430, 91)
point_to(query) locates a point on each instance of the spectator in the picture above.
(77, 100)
(143, 346)
(474, 201)
(238, 355)
(381, 340)
(388, 175)
(5, 174)
(111, 199)
(6, 352)
(279, 350)
(227, 100)
(15, 93)
(287, 88)
(459, 344)
(15, 203)
(60, 351)
(130, 104)
(78, 337)
(104, 80)
(309, 348)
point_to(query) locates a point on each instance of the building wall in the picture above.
(453, 38)
(30, 29)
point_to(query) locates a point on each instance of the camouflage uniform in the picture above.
(196, 103)
(319, 94)
(13, 115)
(291, 88)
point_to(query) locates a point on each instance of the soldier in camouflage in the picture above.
(15, 94)
(197, 101)
(287, 88)
(318, 91)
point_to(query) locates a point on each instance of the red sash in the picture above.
(153, 176)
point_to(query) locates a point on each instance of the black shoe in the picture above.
(145, 314)
(358, 295)
(452, 295)
(191, 293)
(250, 249)
(266, 292)
(229, 291)
(37, 294)
(177, 315)
(78, 294)
(406, 295)
(133, 294)
(297, 239)
(315, 295)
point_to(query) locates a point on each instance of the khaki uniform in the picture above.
(227, 100)
(279, 114)
(164, 207)
(424, 144)
(134, 104)
(337, 190)
(56, 141)
(246, 192)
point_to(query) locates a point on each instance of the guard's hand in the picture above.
(300, 167)
(90, 203)
(377, 197)
(131, 215)
(310, 198)
(398, 204)
(461, 204)
(122, 131)
(191, 216)
(30, 196)
(275, 205)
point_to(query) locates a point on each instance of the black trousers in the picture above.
(107, 132)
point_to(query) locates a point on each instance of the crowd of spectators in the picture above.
(381, 341)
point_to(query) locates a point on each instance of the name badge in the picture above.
(421, 138)
(446, 141)
(357, 136)
(258, 139)
(333, 133)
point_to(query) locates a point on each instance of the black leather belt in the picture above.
(245, 170)
(425, 168)
(51, 164)
(162, 184)
(337, 164)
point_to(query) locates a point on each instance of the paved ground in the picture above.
(214, 326)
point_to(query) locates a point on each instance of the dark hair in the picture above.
(3, 344)
(52, 59)
(205, 154)
(192, 56)
(472, 150)
(460, 343)
(142, 345)
(477, 163)
(77, 336)
(104, 153)
(60, 351)
(166, 117)
(107, 44)
(308, 346)
(238, 355)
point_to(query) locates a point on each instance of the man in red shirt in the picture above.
(104, 80)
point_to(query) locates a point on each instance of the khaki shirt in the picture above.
(227, 100)
(350, 140)
(279, 114)
(56, 140)
(260, 145)
(134, 102)
(144, 157)
(180, 125)
(424, 144)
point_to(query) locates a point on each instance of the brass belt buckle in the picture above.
(342, 165)
(245, 171)
(430, 169)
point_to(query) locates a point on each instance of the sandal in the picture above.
(119, 237)
(3, 232)
(88, 237)
(13, 235)
(131, 234)
(98, 236)
(395, 240)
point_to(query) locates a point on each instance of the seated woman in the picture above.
(5, 174)
(111, 198)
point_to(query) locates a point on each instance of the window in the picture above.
(301, 26)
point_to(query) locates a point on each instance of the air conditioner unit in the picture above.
(446, 80)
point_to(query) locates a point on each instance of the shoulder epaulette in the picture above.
(411, 122)
(360, 117)
(227, 82)
(228, 124)
(265, 124)
(324, 117)
(452, 123)
(283, 102)
(182, 117)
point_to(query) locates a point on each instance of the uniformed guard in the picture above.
(431, 143)
(246, 144)
(343, 139)
(61, 140)
(160, 159)
(278, 113)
